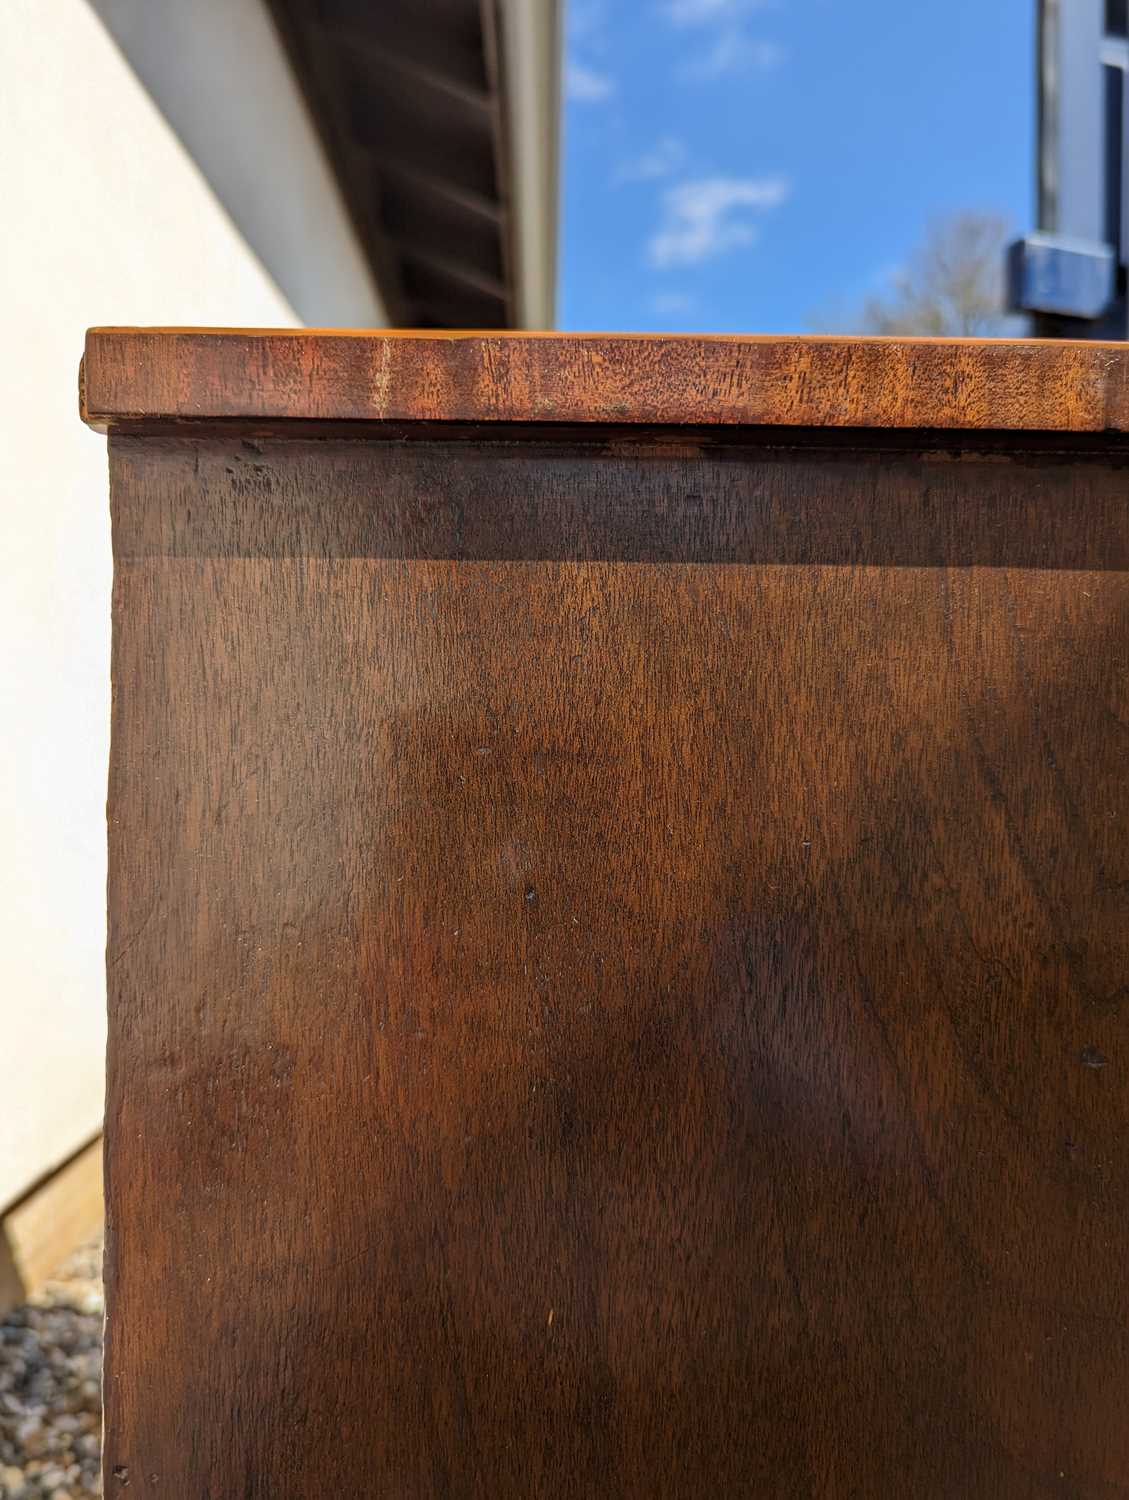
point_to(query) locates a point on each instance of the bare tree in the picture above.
(952, 284)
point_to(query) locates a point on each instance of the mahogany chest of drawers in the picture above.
(619, 909)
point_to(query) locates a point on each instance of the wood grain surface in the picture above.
(617, 970)
(179, 374)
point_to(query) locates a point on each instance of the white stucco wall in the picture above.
(219, 73)
(106, 219)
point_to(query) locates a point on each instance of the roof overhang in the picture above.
(441, 122)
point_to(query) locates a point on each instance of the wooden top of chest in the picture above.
(155, 376)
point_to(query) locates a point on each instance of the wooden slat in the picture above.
(43, 1229)
(158, 374)
(414, 215)
(407, 91)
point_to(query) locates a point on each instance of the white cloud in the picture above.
(586, 81)
(701, 218)
(729, 48)
(665, 157)
(734, 52)
(584, 85)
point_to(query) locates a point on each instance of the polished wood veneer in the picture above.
(619, 917)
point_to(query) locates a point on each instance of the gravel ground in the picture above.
(50, 1394)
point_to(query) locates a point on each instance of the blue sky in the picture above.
(761, 165)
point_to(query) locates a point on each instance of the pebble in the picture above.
(50, 1395)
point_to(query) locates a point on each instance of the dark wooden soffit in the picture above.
(409, 99)
(132, 374)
